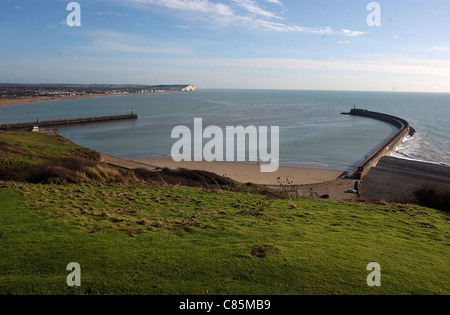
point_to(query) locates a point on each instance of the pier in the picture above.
(65, 122)
(386, 147)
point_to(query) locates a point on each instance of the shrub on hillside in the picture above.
(63, 170)
(186, 177)
(434, 197)
(204, 179)
(75, 170)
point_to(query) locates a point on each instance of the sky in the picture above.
(230, 44)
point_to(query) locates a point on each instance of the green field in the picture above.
(140, 237)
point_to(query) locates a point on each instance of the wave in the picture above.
(416, 148)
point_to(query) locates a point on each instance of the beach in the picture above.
(251, 173)
(306, 180)
(240, 172)
(15, 101)
(392, 179)
(27, 100)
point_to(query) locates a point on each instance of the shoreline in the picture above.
(394, 179)
(240, 172)
(307, 181)
(38, 99)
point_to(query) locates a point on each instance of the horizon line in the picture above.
(232, 88)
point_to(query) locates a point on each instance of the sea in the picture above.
(313, 132)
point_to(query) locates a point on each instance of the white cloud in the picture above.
(112, 13)
(184, 27)
(440, 49)
(202, 6)
(253, 8)
(275, 2)
(244, 13)
(352, 33)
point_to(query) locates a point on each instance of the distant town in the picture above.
(26, 91)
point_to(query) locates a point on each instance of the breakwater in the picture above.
(63, 122)
(386, 147)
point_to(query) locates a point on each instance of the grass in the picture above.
(182, 240)
(24, 155)
(141, 238)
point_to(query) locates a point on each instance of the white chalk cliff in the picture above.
(189, 88)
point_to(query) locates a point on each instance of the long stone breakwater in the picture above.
(384, 149)
(63, 122)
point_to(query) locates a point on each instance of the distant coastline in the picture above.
(9, 102)
(64, 92)
(16, 101)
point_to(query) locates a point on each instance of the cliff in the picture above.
(189, 88)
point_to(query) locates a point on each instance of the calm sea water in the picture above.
(312, 131)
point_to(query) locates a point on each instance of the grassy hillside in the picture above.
(25, 155)
(146, 237)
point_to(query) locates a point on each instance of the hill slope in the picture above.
(146, 238)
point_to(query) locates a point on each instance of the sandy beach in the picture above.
(245, 173)
(321, 181)
(240, 172)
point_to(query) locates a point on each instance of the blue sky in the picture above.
(263, 44)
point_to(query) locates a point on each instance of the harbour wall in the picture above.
(386, 148)
(64, 122)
